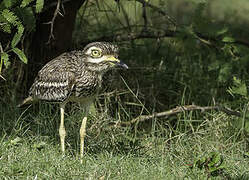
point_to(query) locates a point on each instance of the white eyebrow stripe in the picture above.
(96, 60)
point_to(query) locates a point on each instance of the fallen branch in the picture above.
(178, 109)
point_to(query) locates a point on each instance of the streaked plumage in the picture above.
(69, 75)
(74, 76)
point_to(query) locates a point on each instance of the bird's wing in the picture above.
(55, 81)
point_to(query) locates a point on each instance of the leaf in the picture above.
(225, 72)
(222, 31)
(10, 16)
(215, 159)
(16, 141)
(40, 145)
(214, 65)
(28, 19)
(247, 126)
(6, 28)
(39, 6)
(246, 154)
(200, 162)
(20, 54)
(7, 3)
(1, 65)
(238, 87)
(17, 36)
(26, 3)
(5, 59)
(228, 39)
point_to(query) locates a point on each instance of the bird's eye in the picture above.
(96, 53)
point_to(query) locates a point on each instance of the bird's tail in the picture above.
(26, 101)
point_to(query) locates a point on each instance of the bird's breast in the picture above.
(87, 85)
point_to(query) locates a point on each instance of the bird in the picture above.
(74, 76)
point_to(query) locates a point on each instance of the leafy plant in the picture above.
(240, 96)
(213, 163)
(238, 88)
(15, 18)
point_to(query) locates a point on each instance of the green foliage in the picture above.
(9, 20)
(213, 163)
(224, 72)
(238, 88)
(41, 145)
(113, 152)
(16, 141)
(20, 54)
(4, 60)
(28, 19)
(10, 17)
(6, 28)
(238, 91)
(199, 57)
(196, 62)
(228, 39)
(15, 18)
(39, 6)
(8, 4)
(25, 3)
(17, 36)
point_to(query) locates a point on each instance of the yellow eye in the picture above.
(96, 53)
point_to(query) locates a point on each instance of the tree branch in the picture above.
(177, 110)
(144, 15)
(121, 36)
(56, 12)
(155, 34)
(54, 4)
(160, 11)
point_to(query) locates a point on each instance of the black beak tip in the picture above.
(123, 65)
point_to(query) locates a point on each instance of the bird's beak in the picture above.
(122, 64)
(117, 62)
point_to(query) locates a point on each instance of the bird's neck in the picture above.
(96, 68)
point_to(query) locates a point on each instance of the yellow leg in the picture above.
(62, 130)
(82, 136)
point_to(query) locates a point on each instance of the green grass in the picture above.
(29, 148)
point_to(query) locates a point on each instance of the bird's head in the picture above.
(102, 56)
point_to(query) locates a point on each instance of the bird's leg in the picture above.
(62, 130)
(83, 130)
(82, 136)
